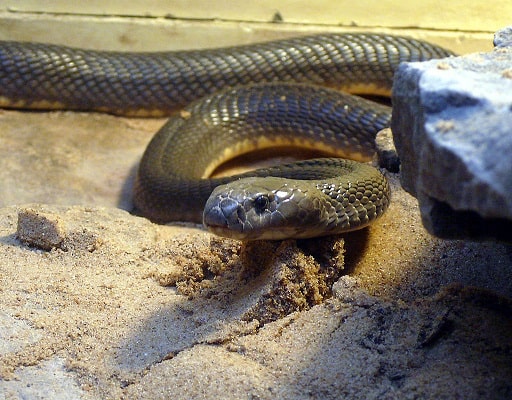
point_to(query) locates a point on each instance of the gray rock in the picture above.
(451, 123)
(386, 156)
(503, 38)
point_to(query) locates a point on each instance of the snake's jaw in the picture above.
(268, 209)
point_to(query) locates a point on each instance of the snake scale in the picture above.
(234, 100)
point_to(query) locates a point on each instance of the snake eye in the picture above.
(261, 203)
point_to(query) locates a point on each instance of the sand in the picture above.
(97, 303)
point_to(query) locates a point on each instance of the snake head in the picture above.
(270, 208)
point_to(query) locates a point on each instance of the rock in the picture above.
(386, 156)
(503, 38)
(451, 124)
(40, 229)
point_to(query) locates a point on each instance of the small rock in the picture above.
(386, 152)
(503, 38)
(39, 229)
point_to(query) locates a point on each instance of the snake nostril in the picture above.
(228, 206)
(232, 211)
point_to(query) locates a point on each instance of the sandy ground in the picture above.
(97, 303)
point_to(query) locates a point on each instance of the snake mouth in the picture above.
(217, 223)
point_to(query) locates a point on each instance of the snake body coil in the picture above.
(170, 183)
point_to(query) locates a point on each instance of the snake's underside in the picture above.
(312, 198)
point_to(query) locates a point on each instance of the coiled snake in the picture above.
(305, 199)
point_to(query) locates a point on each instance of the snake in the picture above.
(228, 101)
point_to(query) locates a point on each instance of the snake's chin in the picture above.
(245, 236)
(271, 234)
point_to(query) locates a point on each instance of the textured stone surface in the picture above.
(451, 124)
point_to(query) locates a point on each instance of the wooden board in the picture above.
(166, 25)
